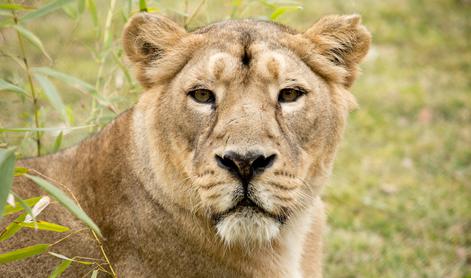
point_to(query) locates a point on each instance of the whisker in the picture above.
(211, 185)
(280, 186)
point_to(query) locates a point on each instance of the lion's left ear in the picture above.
(343, 40)
(147, 38)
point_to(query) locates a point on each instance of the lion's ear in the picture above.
(147, 37)
(341, 39)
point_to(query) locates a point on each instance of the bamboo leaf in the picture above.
(282, 10)
(62, 198)
(11, 199)
(7, 168)
(60, 256)
(6, 86)
(60, 269)
(18, 207)
(73, 82)
(142, 6)
(45, 129)
(48, 8)
(12, 228)
(23, 253)
(25, 206)
(19, 171)
(70, 259)
(91, 6)
(58, 142)
(71, 11)
(17, 60)
(15, 7)
(45, 226)
(32, 38)
(37, 209)
(67, 79)
(51, 93)
(80, 6)
(5, 13)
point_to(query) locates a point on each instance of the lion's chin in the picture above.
(247, 227)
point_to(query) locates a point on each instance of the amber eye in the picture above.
(203, 96)
(289, 95)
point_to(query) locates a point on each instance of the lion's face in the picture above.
(252, 129)
(243, 124)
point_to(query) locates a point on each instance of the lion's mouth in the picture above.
(248, 204)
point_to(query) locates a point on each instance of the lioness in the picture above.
(216, 172)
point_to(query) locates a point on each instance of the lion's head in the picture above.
(242, 118)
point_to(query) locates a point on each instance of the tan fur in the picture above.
(150, 178)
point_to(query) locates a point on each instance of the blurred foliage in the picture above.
(399, 202)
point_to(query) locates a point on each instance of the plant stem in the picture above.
(104, 253)
(31, 85)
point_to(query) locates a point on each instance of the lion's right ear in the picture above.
(343, 40)
(146, 38)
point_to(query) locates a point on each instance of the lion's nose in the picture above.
(246, 166)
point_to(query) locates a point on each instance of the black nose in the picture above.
(245, 167)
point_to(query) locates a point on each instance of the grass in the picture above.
(399, 201)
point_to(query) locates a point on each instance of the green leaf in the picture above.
(67, 79)
(16, 59)
(50, 7)
(282, 10)
(71, 11)
(45, 129)
(80, 6)
(45, 226)
(142, 6)
(23, 253)
(31, 38)
(62, 198)
(73, 82)
(60, 269)
(15, 7)
(94, 274)
(58, 142)
(18, 207)
(12, 228)
(51, 92)
(123, 67)
(6, 86)
(20, 171)
(91, 6)
(60, 256)
(5, 13)
(70, 114)
(25, 206)
(69, 259)
(7, 169)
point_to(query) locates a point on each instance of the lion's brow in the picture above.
(246, 40)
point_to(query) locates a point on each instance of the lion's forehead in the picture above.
(265, 63)
(256, 28)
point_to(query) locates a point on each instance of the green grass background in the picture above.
(399, 201)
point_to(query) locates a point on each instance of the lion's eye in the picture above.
(203, 96)
(289, 95)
